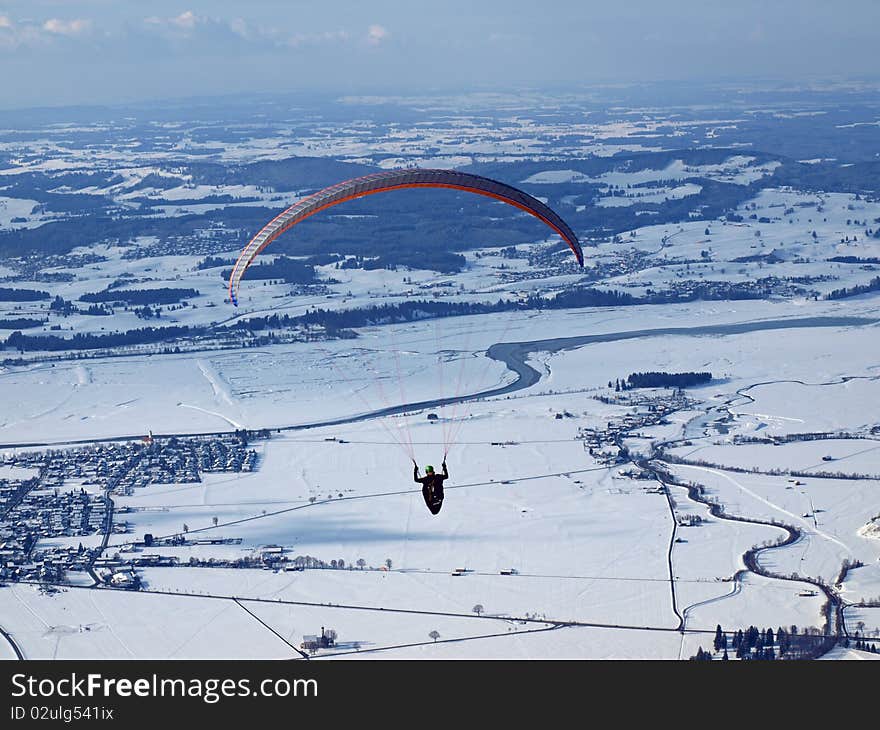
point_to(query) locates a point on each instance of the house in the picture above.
(312, 643)
(271, 553)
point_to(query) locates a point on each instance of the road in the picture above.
(12, 643)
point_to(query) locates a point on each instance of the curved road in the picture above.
(12, 643)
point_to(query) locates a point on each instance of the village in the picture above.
(650, 408)
(49, 522)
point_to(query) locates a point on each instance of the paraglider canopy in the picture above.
(395, 180)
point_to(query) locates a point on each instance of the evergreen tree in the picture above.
(719, 638)
(782, 640)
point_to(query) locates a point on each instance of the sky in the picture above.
(81, 52)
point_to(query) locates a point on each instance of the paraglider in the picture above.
(389, 180)
(432, 485)
(396, 180)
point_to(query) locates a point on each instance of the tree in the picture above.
(215, 521)
(782, 640)
(361, 563)
(185, 527)
(478, 609)
(719, 638)
(434, 634)
(388, 563)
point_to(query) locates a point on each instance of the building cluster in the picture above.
(44, 514)
(650, 409)
(52, 513)
(48, 522)
(202, 242)
(41, 267)
(767, 286)
(542, 266)
(125, 466)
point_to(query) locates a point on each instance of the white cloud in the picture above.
(20, 34)
(210, 30)
(330, 36)
(376, 34)
(184, 24)
(186, 20)
(57, 26)
(240, 27)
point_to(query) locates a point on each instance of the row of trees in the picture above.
(22, 295)
(864, 645)
(162, 295)
(767, 645)
(22, 323)
(853, 291)
(283, 268)
(61, 306)
(84, 341)
(660, 379)
(855, 259)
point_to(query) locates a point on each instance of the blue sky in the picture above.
(106, 51)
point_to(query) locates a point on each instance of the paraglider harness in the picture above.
(432, 485)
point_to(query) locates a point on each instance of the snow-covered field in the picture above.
(802, 408)
(589, 545)
(563, 552)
